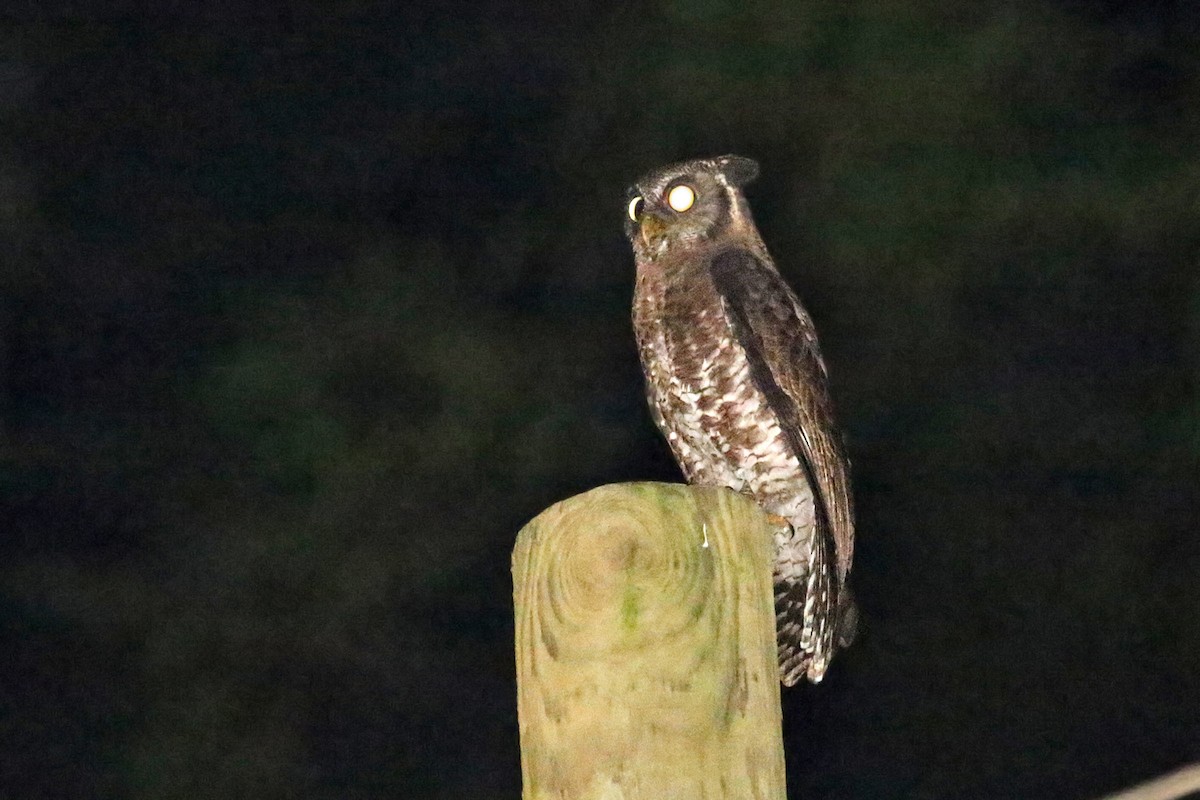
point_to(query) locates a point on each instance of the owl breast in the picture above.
(719, 425)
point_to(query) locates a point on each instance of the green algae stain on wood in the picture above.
(630, 608)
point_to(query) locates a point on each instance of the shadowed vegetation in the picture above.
(302, 318)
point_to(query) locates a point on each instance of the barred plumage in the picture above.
(736, 383)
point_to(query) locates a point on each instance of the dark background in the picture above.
(305, 314)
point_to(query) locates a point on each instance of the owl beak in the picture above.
(651, 228)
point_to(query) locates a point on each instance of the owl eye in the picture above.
(635, 209)
(681, 197)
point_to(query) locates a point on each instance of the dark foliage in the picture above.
(303, 315)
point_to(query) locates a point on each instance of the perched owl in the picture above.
(738, 387)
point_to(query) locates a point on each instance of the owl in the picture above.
(737, 385)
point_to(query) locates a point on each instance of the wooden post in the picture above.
(646, 661)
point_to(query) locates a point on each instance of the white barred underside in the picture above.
(723, 432)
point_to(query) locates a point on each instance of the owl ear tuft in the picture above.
(738, 170)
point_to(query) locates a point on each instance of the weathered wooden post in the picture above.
(645, 638)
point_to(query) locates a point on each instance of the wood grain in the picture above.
(645, 644)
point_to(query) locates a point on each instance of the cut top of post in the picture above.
(646, 657)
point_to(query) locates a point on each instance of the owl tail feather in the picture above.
(806, 604)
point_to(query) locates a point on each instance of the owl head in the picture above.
(686, 203)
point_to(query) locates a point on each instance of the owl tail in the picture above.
(806, 604)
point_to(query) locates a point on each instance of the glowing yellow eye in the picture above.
(635, 209)
(681, 197)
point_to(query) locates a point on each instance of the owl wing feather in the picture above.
(780, 343)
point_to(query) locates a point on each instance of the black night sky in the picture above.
(303, 314)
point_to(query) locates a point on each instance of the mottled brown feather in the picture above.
(736, 383)
(781, 343)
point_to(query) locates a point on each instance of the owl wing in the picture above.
(780, 343)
